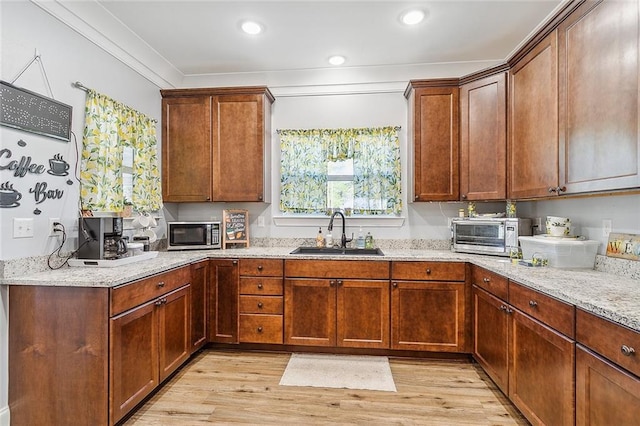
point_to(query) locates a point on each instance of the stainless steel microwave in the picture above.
(193, 235)
(488, 235)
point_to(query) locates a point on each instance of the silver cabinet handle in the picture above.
(627, 350)
(533, 303)
(486, 280)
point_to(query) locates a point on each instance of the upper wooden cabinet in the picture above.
(599, 136)
(433, 133)
(216, 144)
(483, 139)
(533, 122)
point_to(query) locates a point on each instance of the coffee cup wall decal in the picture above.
(9, 197)
(57, 166)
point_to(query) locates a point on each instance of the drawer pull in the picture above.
(395, 285)
(332, 283)
(161, 284)
(428, 271)
(627, 350)
(259, 267)
(260, 286)
(486, 280)
(158, 302)
(259, 329)
(506, 309)
(533, 303)
(260, 305)
(339, 282)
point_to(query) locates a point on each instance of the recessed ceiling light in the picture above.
(413, 17)
(251, 27)
(337, 60)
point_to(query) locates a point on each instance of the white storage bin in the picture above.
(561, 252)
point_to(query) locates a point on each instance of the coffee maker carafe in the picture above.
(101, 238)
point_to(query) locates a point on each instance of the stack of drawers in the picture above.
(261, 301)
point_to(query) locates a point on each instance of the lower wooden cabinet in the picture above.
(223, 300)
(147, 344)
(199, 305)
(605, 393)
(429, 306)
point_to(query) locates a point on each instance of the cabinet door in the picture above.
(310, 312)
(605, 394)
(428, 316)
(238, 147)
(541, 373)
(598, 48)
(363, 314)
(174, 344)
(533, 121)
(134, 358)
(199, 281)
(186, 149)
(436, 143)
(491, 336)
(483, 139)
(223, 301)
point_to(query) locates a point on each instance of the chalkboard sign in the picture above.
(235, 224)
(31, 112)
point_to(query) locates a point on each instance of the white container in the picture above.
(561, 252)
(135, 249)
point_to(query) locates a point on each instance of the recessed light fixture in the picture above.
(412, 17)
(251, 27)
(337, 60)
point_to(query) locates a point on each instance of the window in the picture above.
(127, 175)
(340, 168)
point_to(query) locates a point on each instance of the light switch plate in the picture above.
(606, 227)
(22, 227)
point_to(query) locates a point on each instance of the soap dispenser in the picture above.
(360, 240)
(320, 238)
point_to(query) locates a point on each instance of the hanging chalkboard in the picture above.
(235, 225)
(32, 112)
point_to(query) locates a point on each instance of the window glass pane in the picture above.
(340, 194)
(340, 167)
(127, 174)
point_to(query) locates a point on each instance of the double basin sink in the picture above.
(338, 251)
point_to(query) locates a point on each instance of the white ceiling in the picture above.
(203, 37)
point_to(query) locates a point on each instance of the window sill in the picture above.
(366, 221)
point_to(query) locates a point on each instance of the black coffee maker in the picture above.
(101, 238)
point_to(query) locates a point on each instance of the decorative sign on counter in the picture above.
(626, 246)
(32, 112)
(235, 225)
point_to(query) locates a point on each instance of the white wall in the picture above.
(67, 57)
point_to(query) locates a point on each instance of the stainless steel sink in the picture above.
(336, 251)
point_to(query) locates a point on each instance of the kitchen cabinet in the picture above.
(433, 134)
(89, 355)
(491, 325)
(216, 144)
(607, 372)
(223, 300)
(599, 77)
(429, 304)
(533, 123)
(261, 301)
(337, 303)
(199, 306)
(483, 139)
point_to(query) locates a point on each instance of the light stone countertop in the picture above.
(611, 296)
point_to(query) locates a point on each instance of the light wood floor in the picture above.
(222, 387)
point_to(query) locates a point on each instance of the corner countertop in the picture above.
(611, 296)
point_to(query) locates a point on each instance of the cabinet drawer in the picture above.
(261, 304)
(255, 328)
(365, 269)
(613, 341)
(270, 286)
(261, 267)
(428, 271)
(553, 312)
(493, 283)
(138, 292)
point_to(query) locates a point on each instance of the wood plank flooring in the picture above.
(224, 387)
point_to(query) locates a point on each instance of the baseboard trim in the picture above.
(4, 416)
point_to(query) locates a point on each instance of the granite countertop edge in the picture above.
(608, 295)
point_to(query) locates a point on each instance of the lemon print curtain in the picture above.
(110, 127)
(376, 163)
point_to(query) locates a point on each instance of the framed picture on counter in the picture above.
(235, 227)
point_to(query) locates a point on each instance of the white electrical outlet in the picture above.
(52, 228)
(606, 227)
(22, 228)
(261, 221)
